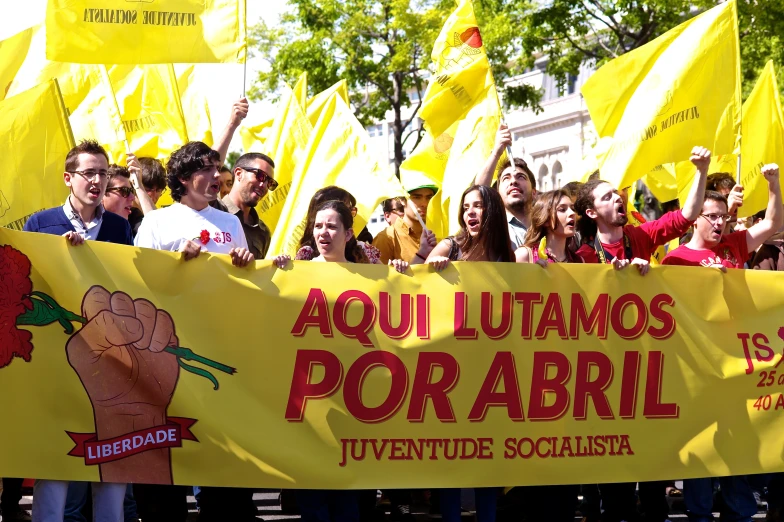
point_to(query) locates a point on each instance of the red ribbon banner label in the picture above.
(169, 435)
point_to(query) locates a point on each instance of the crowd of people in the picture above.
(503, 219)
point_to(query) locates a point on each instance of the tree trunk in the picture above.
(397, 125)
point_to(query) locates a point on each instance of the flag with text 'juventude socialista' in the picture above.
(146, 31)
(657, 102)
(337, 153)
(86, 90)
(149, 102)
(34, 139)
(462, 77)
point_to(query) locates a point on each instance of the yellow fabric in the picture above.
(86, 90)
(697, 399)
(146, 31)
(684, 172)
(195, 109)
(462, 76)
(13, 51)
(661, 182)
(149, 103)
(657, 102)
(286, 144)
(34, 140)
(337, 153)
(317, 102)
(762, 141)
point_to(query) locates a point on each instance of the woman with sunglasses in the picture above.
(119, 195)
(551, 236)
(483, 236)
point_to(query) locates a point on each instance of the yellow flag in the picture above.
(12, 55)
(194, 106)
(34, 139)
(317, 102)
(149, 103)
(426, 165)
(462, 76)
(472, 146)
(662, 183)
(338, 153)
(86, 91)
(286, 144)
(255, 136)
(762, 141)
(146, 31)
(678, 91)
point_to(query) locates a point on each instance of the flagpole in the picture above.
(244, 75)
(503, 120)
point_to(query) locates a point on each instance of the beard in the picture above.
(522, 205)
(620, 221)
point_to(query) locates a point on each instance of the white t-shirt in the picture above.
(168, 228)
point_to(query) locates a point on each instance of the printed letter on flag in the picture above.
(146, 31)
(678, 91)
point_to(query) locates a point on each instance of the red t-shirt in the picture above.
(644, 239)
(732, 251)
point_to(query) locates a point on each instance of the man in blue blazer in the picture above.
(82, 217)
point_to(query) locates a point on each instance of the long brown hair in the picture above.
(354, 253)
(323, 195)
(544, 216)
(493, 238)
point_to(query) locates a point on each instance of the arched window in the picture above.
(557, 175)
(543, 182)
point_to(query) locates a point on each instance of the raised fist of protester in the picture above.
(427, 242)
(700, 157)
(735, 199)
(771, 173)
(74, 238)
(503, 139)
(239, 111)
(399, 264)
(241, 257)
(120, 359)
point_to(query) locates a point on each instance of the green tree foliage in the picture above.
(382, 48)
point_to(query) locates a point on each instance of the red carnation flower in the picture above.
(204, 237)
(15, 288)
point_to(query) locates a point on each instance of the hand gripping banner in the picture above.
(325, 375)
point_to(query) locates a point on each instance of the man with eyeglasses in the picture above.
(254, 176)
(82, 217)
(710, 246)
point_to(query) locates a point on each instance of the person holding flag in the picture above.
(408, 238)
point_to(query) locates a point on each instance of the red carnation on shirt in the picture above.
(15, 288)
(204, 237)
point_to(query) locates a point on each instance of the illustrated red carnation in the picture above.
(472, 37)
(15, 288)
(204, 237)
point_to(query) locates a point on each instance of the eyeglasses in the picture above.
(91, 175)
(122, 191)
(713, 218)
(262, 177)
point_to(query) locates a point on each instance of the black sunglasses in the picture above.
(263, 177)
(122, 191)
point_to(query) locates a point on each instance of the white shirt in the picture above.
(168, 228)
(88, 231)
(517, 231)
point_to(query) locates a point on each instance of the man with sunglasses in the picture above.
(82, 217)
(253, 178)
(710, 246)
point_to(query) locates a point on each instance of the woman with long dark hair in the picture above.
(483, 236)
(551, 238)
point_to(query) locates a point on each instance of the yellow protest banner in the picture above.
(317, 102)
(650, 106)
(87, 93)
(762, 141)
(146, 31)
(34, 140)
(149, 102)
(337, 153)
(486, 374)
(13, 51)
(195, 109)
(462, 75)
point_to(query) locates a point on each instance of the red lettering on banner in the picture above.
(501, 369)
(528, 300)
(630, 383)
(505, 325)
(616, 316)
(665, 318)
(580, 319)
(360, 330)
(302, 389)
(542, 385)
(315, 312)
(406, 324)
(462, 330)
(355, 378)
(437, 391)
(585, 388)
(552, 318)
(653, 407)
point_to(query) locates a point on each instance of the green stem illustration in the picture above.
(45, 310)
